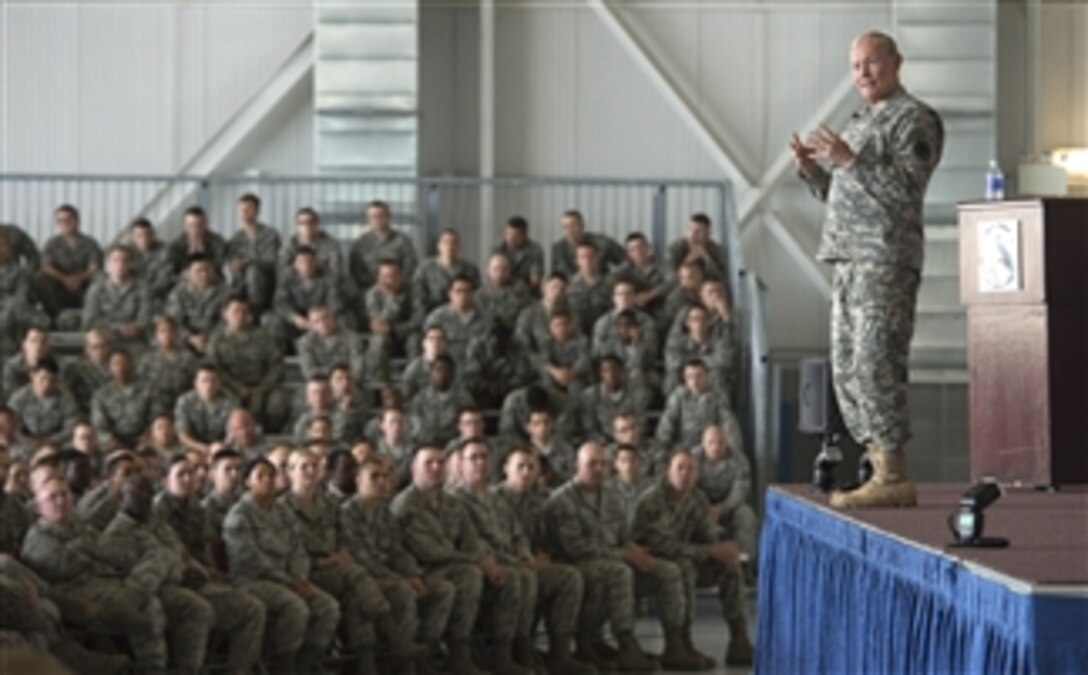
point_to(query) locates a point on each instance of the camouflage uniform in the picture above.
(329, 260)
(573, 354)
(715, 352)
(121, 414)
(154, 269)
(652, 277)
(687, 415)
(266, 553)
(677, 527)
(873, 234)
(197, 311)
(431, 282)
(206, 421)
(15, 519)
(70, 257)
(260, 251)
(52, 418)
(560, 457)
(98, 506)
(157, 571)
(503, 304)
(715, 265)
(347, 425)
(606, 340)
(486, 371)
(586, 531)
(215, 512)
(16, 375)
(318, 355)
(405, 316)
(361, 600)
(72, 558)
(558, 588)
(374, 540)
(17, 308)
(525, 262)
(82, 378)
(213, 246)
(531, 328)
(250, 359)
(294, 296)
(417, 377)
(599, 407)
(589, 301)
(459, 329)
(609, 251)
(179, 526)
(23, 249)
(628, 494)
(437, 411)
(108, 305)
(371, 248)
(516, 410)
(726, 484)
(654, 456)
(167, 376)
(439, 535)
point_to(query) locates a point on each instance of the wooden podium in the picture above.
(1024, 281)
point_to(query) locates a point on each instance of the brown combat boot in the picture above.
(689, 644)
(739, 652)
(561, 662)
(889, 486)
(676, 655)
(630, 657)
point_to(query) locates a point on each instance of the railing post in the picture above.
(432, 215)
(204, 196)
(659, 223)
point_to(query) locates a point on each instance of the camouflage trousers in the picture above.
(270, 408)
(559, 597)
(256, 283)
(742, 524)
(189, 620)
(240, 617)
(361, 600)
(425, 616)
(501, 606)
(609, 596)
(294, 621)
(872, 323)
(727, 579)
(664, 584)
(468, 583)
(107, 605)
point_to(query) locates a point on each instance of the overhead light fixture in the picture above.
(967, 522)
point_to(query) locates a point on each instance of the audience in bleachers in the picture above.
(462, 454)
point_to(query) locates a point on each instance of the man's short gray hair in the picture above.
(886, 41)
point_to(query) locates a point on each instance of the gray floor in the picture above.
(710, 634)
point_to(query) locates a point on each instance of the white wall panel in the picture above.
(136, 87)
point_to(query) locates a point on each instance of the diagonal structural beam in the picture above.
(684, 107)
(805, 262)
(267, 96)
(837, 103)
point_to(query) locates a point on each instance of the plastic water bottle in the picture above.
(995, 182)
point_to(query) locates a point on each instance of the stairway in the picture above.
(366, 108)
(950, 62)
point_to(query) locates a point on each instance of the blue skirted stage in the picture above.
(880, 592)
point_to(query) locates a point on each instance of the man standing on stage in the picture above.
(873, 177)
